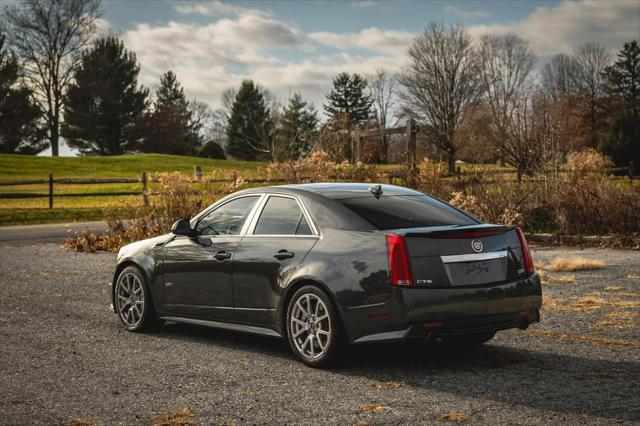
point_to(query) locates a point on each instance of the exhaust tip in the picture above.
(524, 324)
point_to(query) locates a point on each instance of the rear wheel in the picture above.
(133, 301)
(468, 340)
(313, 327)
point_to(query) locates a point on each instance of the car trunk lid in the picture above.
(453, 256)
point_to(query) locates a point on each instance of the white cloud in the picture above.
(472, 14)
(371, 39)
(212, 8)
(561, 28)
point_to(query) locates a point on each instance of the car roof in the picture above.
(339, 190)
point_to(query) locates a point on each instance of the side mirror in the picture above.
(182, 227)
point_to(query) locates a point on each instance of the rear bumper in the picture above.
(424, 312)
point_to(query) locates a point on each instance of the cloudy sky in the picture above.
(290, 46)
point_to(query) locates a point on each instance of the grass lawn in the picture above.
(19, 167)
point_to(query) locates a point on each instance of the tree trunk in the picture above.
(55, 137)
(451, 160)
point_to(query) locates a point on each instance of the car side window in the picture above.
(228, 218)
(282, 216)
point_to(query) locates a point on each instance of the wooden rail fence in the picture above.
(144, 180)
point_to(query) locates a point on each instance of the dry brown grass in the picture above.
(633, 277)
(374, 408)
(619, 320)
(183, 417)
(613, 289)
(387, 385)
(547, 278)
(569, 264)
(454, 417)
(589, 339)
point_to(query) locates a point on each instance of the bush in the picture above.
(212, 149)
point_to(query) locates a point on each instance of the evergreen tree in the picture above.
(624, 76)
(20, 129)
(250, 126)
(349, 95)
(297, 126)
(104, 99)
(170, 127)
(622, 142)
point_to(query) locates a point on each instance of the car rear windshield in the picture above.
(405, 211)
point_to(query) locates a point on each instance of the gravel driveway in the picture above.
(65, 357)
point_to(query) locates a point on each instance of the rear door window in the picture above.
(282, 216)
(405, 211)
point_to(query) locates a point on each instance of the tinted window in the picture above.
(282, 216)
(405, 211)
(228, 218)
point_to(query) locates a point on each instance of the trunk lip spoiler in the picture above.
(444, 231)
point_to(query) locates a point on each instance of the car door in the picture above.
(198, 270)
(278, 239)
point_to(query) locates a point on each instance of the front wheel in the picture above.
(133, 301)
(313, 327)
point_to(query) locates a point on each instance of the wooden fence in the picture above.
(392, 176)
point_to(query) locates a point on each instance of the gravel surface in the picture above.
(64, 357)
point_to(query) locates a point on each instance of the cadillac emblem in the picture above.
(476, 245)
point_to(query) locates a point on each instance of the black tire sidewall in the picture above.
(148, 313)
(335, 338)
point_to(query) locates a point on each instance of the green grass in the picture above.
(19, 167)
(68, 209)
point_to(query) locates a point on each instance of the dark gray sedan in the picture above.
(328, 264)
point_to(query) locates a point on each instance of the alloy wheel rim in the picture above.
(310, 326)
(130, 299)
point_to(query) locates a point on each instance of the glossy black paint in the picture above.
(347, 259)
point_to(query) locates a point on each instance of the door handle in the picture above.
(222, 255)
(283, 254)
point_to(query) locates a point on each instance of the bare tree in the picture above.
(591, 60)
(507, 63)
(382, 90)
(559, 77)
(48, 35)
(440, 82)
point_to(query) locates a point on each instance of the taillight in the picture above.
(526, 254)
(399, 261)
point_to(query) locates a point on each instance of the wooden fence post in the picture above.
(145, 197)
(50, 190)
(410, 136)
(197, 171)
(631, 170)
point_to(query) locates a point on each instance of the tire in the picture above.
(133, 302)
(469, 340)
(317, 338)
